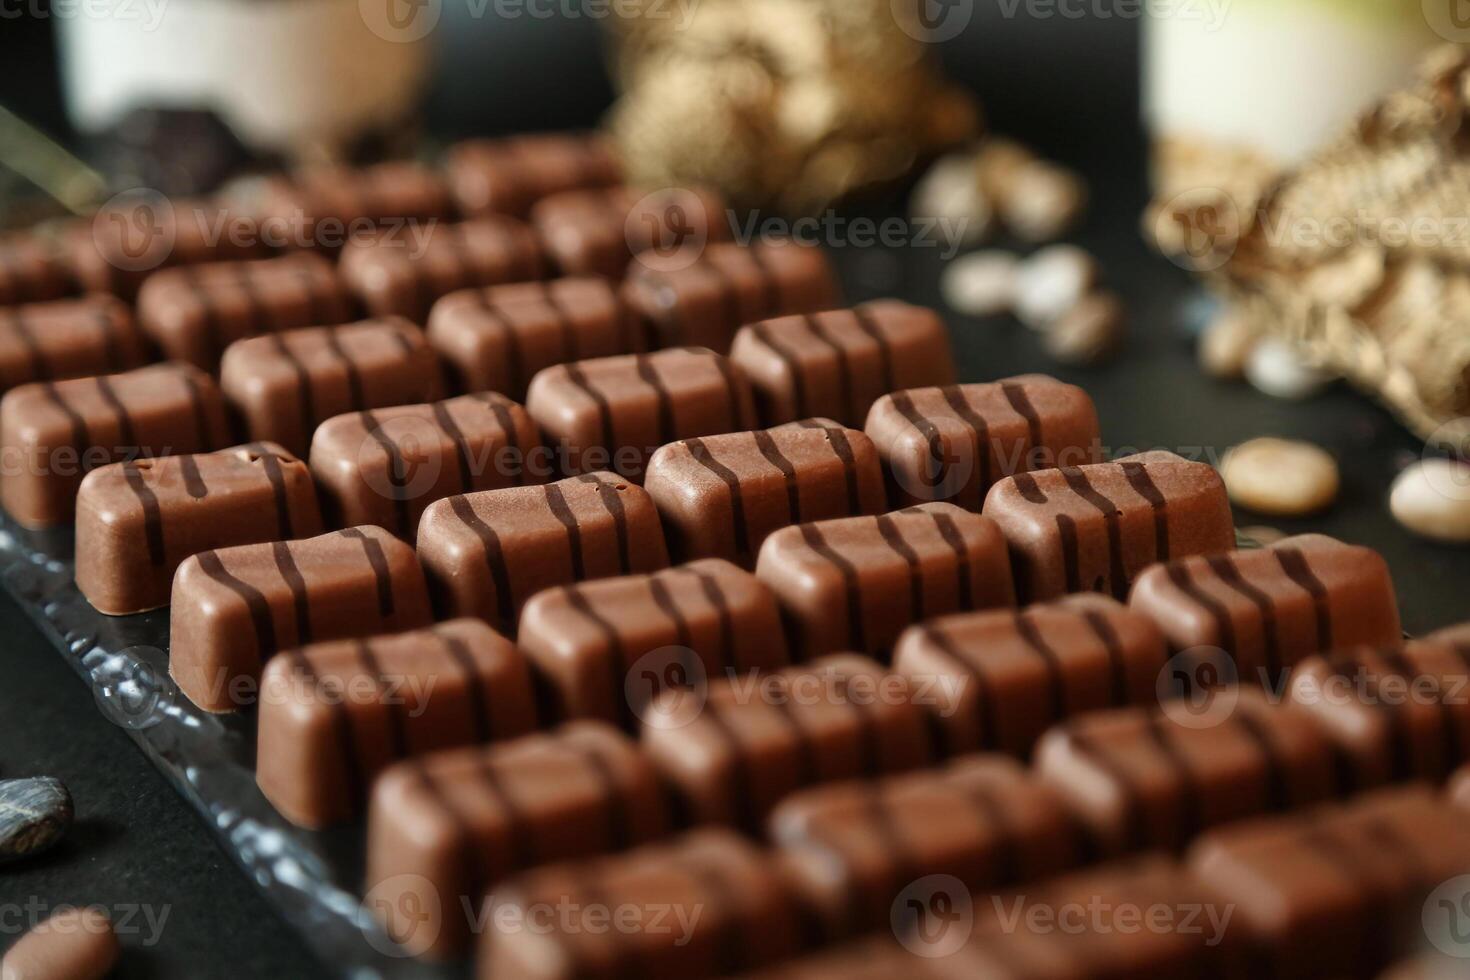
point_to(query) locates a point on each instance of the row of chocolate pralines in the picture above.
(312, 209)
(529, 822)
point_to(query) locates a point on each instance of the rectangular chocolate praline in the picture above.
(858, 582)
(722, 496)
(487, 554)
(955, 443)
(445, 829)
(334, 715)
(705, 302)
(283, 386)
(615, 412)
(395, 273)
(33, 270)
(385, 466)
(194, 313)
(1094, 528)
(1002, 678)
(708, 904)
(138, 521)
(75, 338)
(53, 433)
(234, 609)
(1271, 608)
(837, 364)
(750, 742)
(510, 174)
(598, 231)
(1145, 779)
(853, 848)
(497, 339)
(602, 649)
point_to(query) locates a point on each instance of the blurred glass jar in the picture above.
(1235, 89)
(305, 79)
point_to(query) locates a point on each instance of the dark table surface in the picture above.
(1068, 86)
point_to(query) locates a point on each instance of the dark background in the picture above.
(1069, 87)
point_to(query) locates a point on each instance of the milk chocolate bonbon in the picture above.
(597, 232)
(75, 338)
(404, 272)
(1094, 528)
(334, 715)
(857, 583)
(486, 554)
(1399, 713)
(1154, 779)
(234, 609)
(614, 412)
(32, 270)
(1002, 678)
(722, 496)
(728, 286)
(53, 433)
(321, 207)
(445, 828)
(588, 642)
(193, 313)
(1271, 608)
(724, 904)
(854, 847)
(497, 339)
(510, 174)
(1341, 892)
(753, 741)
(385, 466)
(954, 443)
(285, 385)
(837, 364)
(137, 521)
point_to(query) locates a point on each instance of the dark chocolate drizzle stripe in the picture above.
(984, 691)
(868, 323)
(955, 540)
(1030, 634)
(565, 324)
(449, 427)
(474, 684)
(196, 405)
(732, 941)
(579, 379)
(1021, 404)
(514, 356)
(253, 305)
(499, 406)
(1342, 857)
(1450, 743)
(714, 594)
(1031, 492)
(770, 285)
(1228, 572)
(304, 388)
(398, 745)
(1071, 547)
(152, 518)
(557, 502)
(208, 317)
(1278, 784)
(126, 433)
(1456, 723)
(1080, 485)
(762, 332)
(1299, 570)
(893, 537)
(300, 600)
(519, 831)
(1117, 658)
(903, 402)
(194, 484)
(357, 783)
(355, 393)
(765, 444)
(397, 469)
(954, 396)
(729, 299)
(277, 477)
(842, 449)
(742, 780)
(732, 391)
(842, 357)
(612, 502)
(261, 616)
(617, 660)
(807, 770)
(856, 631)
(494, 556)
(1159, 733)
(903, 862)
(987, 803)
(1138, 478)
(870, 737)
(379, 564)
(107, 330)
(1396, 716)
(21, 327)
(1183, 580)
(619, 820)
(1136, 833)
(740, 525)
